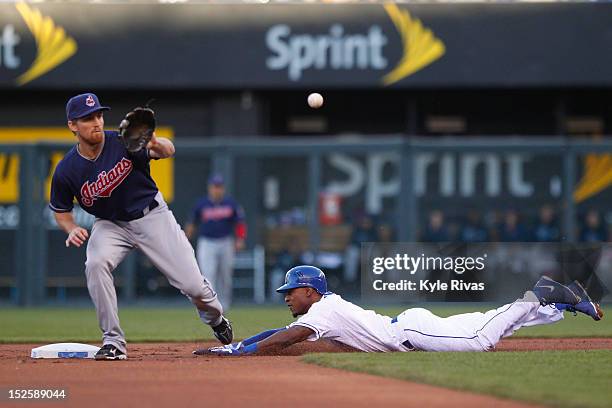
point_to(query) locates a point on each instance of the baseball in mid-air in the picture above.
(315, 100)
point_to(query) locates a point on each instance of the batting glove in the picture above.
(235, 349)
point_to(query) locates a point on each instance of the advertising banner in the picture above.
(295, 46)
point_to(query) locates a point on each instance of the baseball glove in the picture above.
(136, 129)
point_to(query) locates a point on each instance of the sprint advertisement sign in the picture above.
(53, 45)
(43, 45)
(340, 51)
(293, 52)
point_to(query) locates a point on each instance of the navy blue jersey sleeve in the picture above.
(142, 155)
(61, 197)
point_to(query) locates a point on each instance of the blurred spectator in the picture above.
(546, 228)
(289, 257)
(473, 230)
(364, 230)
(593, 229)
(286, 259)
(436, 231)
(385, 233)
(511, 230)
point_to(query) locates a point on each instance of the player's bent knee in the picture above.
(95, 265)
(199, 291)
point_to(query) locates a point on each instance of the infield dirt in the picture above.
(167, 374)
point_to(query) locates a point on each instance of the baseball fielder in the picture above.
(325, 315)
(115, 186)
(221, 231)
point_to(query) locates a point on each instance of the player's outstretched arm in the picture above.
(239, 347)
(278, 340)
(76, 234)
(281, 339)
(160, 147)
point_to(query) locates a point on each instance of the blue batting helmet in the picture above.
(304, 276)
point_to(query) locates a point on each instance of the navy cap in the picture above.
(216, 179)
(82, 105)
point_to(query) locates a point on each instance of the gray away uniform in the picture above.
(117, 188)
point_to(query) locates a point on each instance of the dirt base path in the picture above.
(518, 344)
(168, 375)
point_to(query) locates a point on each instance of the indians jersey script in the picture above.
(217, 220)
(336, 319)
(117, 185)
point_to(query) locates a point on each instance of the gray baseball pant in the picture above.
(162, 240)
(216, 260)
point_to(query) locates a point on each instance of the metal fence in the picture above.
(232, 157)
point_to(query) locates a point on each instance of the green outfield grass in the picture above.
(555, 378)
(141, 324)
(154, 324)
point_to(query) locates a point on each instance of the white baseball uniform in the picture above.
(419, 329)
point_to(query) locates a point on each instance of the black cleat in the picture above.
(110, 352)
(550, 291)
(223, 331)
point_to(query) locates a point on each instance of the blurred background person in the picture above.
(593, 229)
(288, 257)
(546, 228)
(221, 230)
(436, 230)
(511, 229)
(364, 230)
(473, 230)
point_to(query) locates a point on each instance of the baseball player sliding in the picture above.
(110, 178)
(325, 315)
